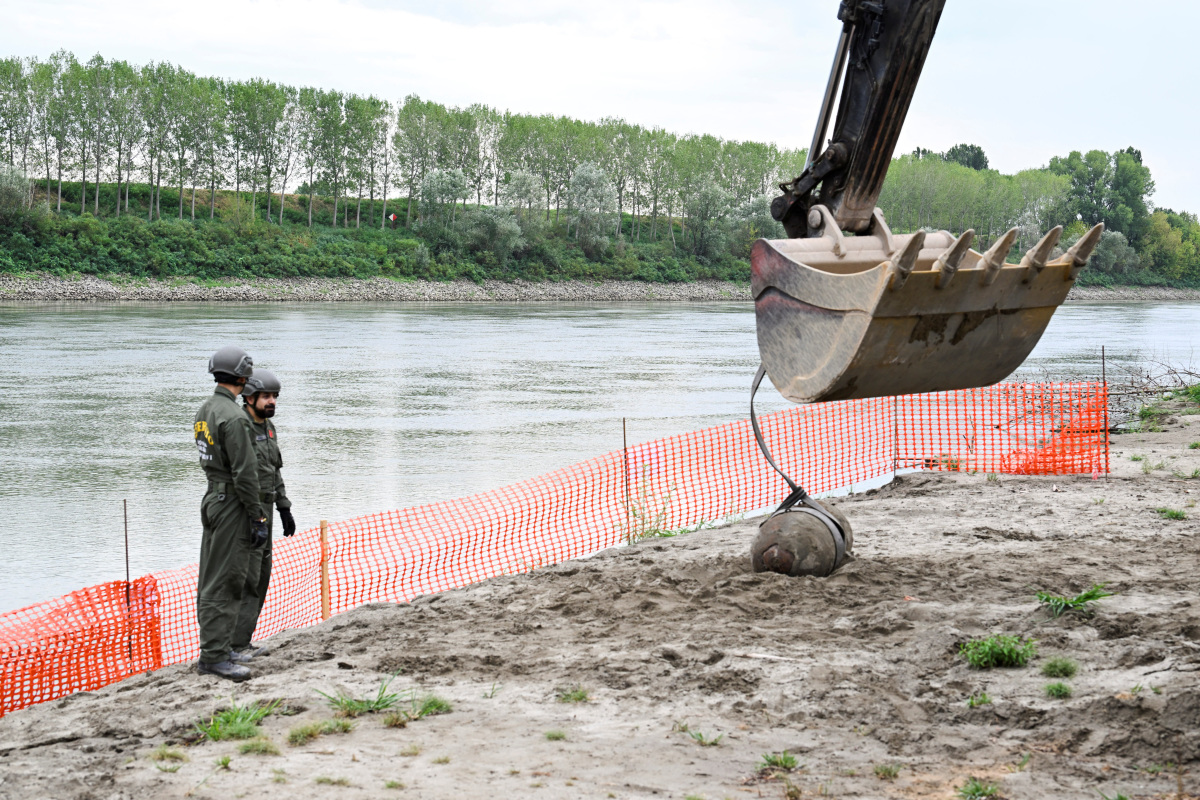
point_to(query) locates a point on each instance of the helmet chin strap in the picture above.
(797, 500)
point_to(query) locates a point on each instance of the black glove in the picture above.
(289, 522)
(258, 533)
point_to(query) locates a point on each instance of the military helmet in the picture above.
(231, 360)
(261, 380)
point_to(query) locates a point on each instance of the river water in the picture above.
(383, 406)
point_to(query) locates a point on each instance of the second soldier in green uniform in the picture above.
(260, 395)
(231, 512)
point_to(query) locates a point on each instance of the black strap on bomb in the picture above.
(798, 499)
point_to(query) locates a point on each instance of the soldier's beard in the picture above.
(266, 412)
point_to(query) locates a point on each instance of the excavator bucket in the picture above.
(873, 315)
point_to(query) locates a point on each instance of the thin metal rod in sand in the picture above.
(128, 613)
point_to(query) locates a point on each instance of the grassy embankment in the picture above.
(239, 245)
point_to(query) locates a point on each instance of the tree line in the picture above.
(110, 121)
(477, 180)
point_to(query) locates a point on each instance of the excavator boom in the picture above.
(881, 51)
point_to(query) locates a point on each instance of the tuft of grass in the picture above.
(165, 752)
(167, 767)
(784, 760)
(1117, 796)
(1058, 690)
(555, 736)
(1060, 668)
(575, 694)
(887, 772)
(1170, 513)
(223, 762)
(488, 695)
(442, 760)
(346, 706)
(396, 719)
(304, 734)
(428, 706)
(393, 785)
(976, 789)
(680, 726)
(981, 699)
(1137, 458)
(1194, 446)
(705, 741)
(261, 747)
(278, 776)
(326, 781)
(413, 749)
(998, 650)
(993, 477)
(240, 721)
(1058, 605)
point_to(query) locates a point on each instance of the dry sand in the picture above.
(846, 673)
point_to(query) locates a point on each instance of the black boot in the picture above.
(247, 654)
(226, 669)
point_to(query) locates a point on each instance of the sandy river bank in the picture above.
(852, 673)
(46, 288)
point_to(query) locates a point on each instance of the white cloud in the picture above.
(1025, 79)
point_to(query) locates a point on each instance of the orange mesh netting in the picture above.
(95, 636)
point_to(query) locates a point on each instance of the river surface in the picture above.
(383, 406)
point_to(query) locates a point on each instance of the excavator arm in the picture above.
(881, 52)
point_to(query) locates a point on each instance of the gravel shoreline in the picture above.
(90, 289)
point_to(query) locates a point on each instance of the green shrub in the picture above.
(976, 789)
(1059, 668)
(1058, 690)
(1082, 602)
(998, 650)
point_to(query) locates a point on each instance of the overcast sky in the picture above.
(1024, 79)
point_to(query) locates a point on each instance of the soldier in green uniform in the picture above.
(260, 395)
(231, 512)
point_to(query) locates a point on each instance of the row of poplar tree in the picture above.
(112, 122)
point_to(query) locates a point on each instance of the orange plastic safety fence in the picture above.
(92, 637)
(83, 640)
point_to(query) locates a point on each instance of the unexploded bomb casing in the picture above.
(797, 543)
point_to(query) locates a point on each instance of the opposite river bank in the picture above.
(88, 288)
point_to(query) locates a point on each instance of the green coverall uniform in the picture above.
(231, 505)
(258, 574)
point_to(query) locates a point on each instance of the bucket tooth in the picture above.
(1081, 251)
(993, 259)
(1035, 260)
(947, 263)
(902, 263)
